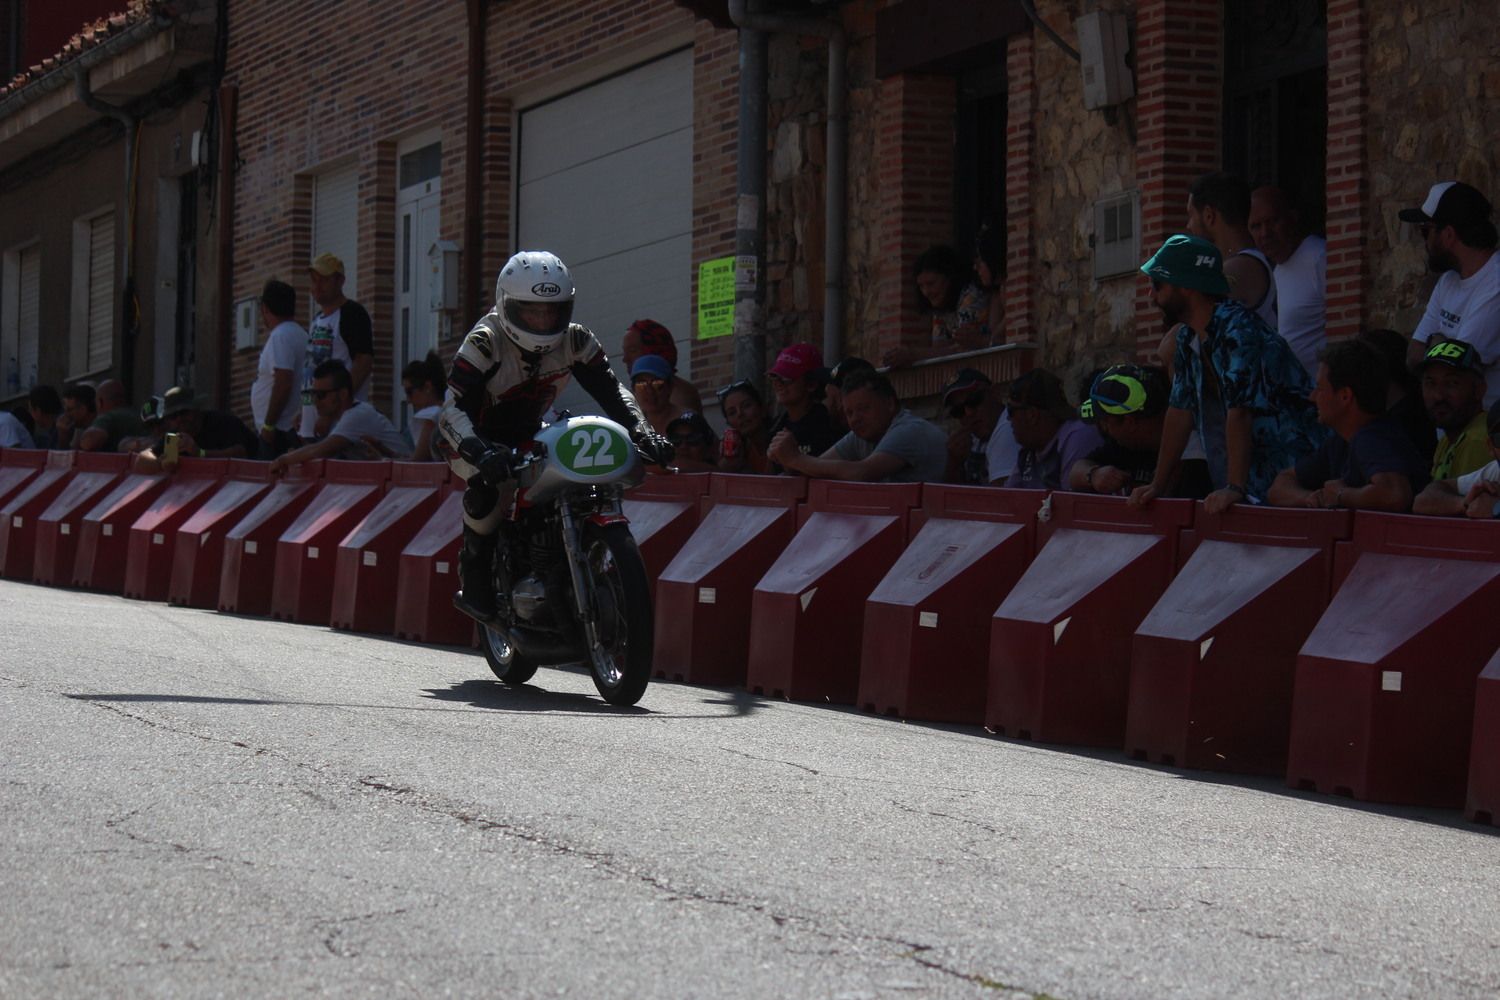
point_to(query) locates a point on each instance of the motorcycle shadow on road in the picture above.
(530, 697)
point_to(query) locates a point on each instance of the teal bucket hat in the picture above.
(1188, 262)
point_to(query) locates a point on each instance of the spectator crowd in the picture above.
(1244, 401)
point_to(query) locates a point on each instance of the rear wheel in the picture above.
(621, 596)
(504, 659)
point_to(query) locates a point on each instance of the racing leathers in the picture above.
(497, 395)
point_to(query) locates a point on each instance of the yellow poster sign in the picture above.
(716, 298)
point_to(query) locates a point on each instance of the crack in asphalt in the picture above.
(906, 950)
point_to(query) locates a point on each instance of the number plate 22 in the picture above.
(593, 451)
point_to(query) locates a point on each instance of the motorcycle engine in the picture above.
(529, 598)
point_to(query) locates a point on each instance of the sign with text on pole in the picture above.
(716, 298)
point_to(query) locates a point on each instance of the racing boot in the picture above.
(476, 576)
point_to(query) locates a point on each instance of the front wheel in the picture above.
(504, 659)
(621, 595)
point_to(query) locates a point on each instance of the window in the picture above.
(92, 321)
(1275, 98)
(20, 327)
(979, 155)
(1117, 240)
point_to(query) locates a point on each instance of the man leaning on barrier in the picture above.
(1475, 494)
(1369, 463)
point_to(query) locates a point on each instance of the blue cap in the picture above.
(651, 364)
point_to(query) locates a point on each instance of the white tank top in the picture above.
(1266, 307)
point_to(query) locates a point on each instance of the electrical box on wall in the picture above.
(1103, 45)
(246, 322)
(442, 286)
(1117, 234)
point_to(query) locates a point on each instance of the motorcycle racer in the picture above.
(508, 370)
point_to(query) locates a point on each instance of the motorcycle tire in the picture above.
(506, 662)
(621, 597)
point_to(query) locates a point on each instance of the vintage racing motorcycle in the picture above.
(570, 585)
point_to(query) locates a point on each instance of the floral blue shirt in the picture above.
(1257, 371)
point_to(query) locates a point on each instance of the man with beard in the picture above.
(1233, 378)
(1453, 392)
(1455, 226)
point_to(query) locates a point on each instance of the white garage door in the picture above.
(606, 183)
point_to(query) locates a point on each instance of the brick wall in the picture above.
(914, 202)
(715, 159)
(341, 95)
(1179, 73)
(348, 93)
(1348, 220)
(1020, 152)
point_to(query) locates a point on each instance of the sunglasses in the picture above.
(743, 385)
(969, 402)
(650, 381)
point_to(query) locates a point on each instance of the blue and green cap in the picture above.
(1188, 262)
(1126, 390)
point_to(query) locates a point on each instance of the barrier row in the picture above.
(1352, 654)
(370, 546)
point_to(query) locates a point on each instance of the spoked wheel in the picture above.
(503, 657)
(621, 661)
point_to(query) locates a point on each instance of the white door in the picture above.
(606, 183)
(417, 203)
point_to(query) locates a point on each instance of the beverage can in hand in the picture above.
(730, 447)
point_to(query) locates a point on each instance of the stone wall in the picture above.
(1079, 156)
(1434, 72)
(795, 179)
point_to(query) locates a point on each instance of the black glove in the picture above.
(495, 463)
(654, 449)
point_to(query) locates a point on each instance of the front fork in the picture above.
(573, 546)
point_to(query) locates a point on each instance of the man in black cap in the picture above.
(1051, 437)
(1474, 494)
(200, 433)
(1460, 237)
(983, 450)
(1453, 393)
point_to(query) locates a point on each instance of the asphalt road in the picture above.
(194, 804)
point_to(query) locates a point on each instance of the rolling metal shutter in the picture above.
(336, 222)
(100, 328)
(28, 325)
(606, 183)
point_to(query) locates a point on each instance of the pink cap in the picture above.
(796, 361)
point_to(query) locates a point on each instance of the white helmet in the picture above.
(534, 276)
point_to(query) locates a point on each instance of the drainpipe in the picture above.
(837, 180)
(131, 124)
(474, 164)
(229, 95)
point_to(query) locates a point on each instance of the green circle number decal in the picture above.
(593, 451)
